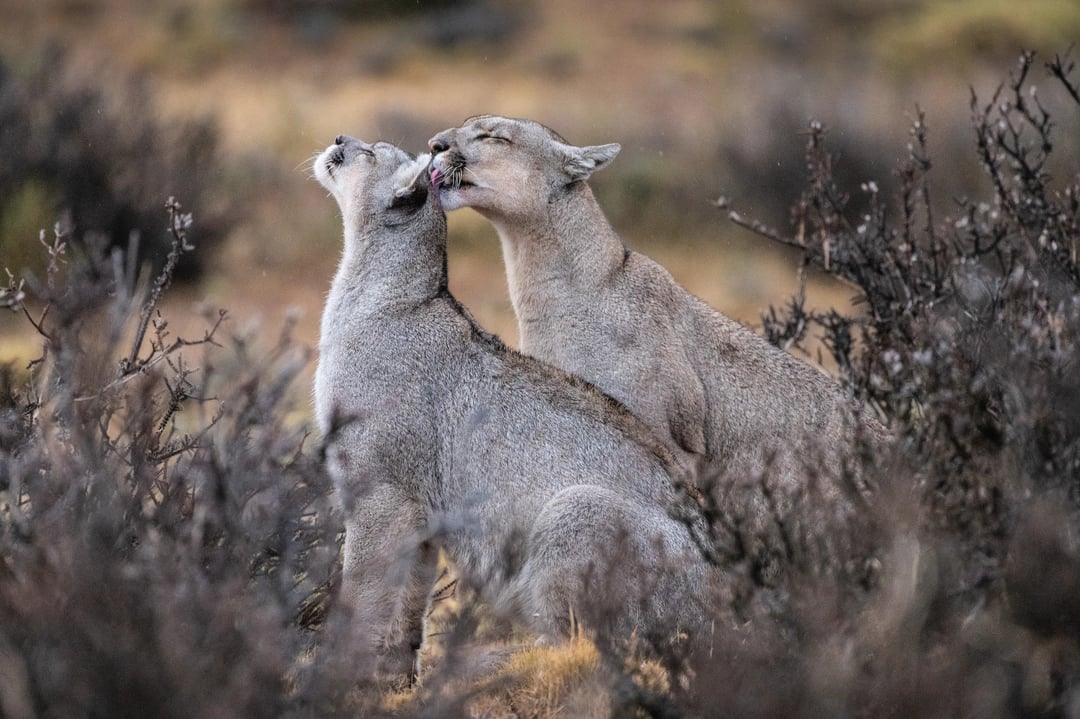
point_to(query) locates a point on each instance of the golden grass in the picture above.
(511, 675)
(541, 682)
(549, 681)
(546, 675)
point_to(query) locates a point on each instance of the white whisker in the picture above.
(307, 162)
(466, 168)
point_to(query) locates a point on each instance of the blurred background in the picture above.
(107, 107)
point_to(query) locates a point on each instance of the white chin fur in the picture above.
(321, 173)
(451, 199)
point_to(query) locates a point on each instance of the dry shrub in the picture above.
(161, 524)
(967, 348)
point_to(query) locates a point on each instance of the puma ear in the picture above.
(580, 162)
(411, 187)
(414, 194)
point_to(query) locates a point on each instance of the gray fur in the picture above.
(531, 479)
(719, 395)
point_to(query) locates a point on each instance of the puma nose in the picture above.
(438, 144)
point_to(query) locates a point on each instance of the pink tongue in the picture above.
(435, 176)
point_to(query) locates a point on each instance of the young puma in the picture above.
(718, 394)
(550, 498)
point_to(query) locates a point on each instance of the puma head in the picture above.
(506, 166)
(376, 180)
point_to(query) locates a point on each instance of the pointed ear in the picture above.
(413, 194)
(411, 189)
(580, 162)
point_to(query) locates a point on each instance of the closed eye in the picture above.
(489, 136)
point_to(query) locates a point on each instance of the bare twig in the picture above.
(160, 355)
(1062, 68)
(179, 223)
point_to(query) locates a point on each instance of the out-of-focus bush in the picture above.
(97, 157)
(959, 32)
(411, 28)
(353, 9)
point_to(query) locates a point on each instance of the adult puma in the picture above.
(717, 393)
(550, 498)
